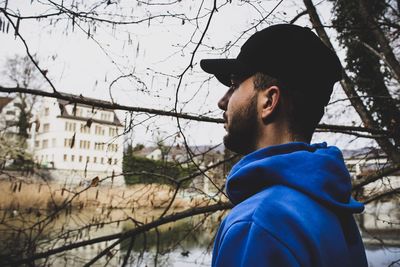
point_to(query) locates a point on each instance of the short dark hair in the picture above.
(303, 112)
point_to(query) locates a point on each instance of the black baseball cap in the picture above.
(292, 54)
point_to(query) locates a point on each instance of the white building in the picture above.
(380, 216)
(78, 142)
(9, 114)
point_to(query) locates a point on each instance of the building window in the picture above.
(98, 146)
(112, 131)
(110, 161)
(84, 129)
(10, 112)
(45, 144)
(46, 111)
(80, 158)
(68, 142)
(70, 126)
(53, 142)
(102, 160)
(72, 158)
(37, 143)
(115, 161)
(10, 123)
(87, 159)
(99, 130)
(94, 159)
(46, 127)
(84, 144)
(113, 147)
(79, 112)
(105, 116)
(65, 157)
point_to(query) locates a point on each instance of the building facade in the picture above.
(380, 219)
(77, 142)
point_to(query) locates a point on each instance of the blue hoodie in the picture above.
(292, 208)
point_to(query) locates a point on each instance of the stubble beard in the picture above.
(242, 131)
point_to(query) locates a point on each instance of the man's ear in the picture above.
(269, 98)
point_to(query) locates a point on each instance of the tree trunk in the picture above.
(368, 121)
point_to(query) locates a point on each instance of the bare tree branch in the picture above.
(108, 105)
(358, 184)
(43, 72)
(381, 195)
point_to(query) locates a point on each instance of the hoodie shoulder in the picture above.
(245, 243)
(296, 221)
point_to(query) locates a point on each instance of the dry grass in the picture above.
(18, 195)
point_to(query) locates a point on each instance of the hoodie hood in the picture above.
(316, 170)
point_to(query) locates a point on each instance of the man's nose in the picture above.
(223, 102)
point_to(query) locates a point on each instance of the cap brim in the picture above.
(222, 69)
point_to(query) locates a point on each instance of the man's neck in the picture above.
(275, 135)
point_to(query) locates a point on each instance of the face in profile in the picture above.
(241, 117)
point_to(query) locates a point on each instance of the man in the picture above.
(292, 199)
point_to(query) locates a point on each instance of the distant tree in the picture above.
(138, 147)
(13, 154)
(140, 170)
(22, 73)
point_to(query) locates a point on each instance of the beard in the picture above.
(242, 131)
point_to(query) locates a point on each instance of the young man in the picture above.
(293, 204)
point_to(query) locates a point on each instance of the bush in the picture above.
(146, 171)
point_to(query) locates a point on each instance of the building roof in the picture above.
(363, 153)
(204, 153)
(4, 100)
(67, 115)
(116, 121)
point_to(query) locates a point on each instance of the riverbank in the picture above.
(20, 195)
